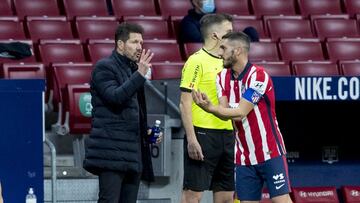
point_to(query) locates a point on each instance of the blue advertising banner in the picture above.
(21, 138)
(316, 88)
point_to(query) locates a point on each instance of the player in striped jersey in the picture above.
(260, 151)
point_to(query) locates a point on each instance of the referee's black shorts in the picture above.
(216, 172)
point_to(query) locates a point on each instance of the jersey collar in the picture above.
(242, 74)
(210, 53)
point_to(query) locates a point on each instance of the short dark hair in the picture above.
(124, 29)
(239, 36)
(209, 20)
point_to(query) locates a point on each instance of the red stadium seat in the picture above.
(96, 27)
(315, 194)
(275, 68)
(162, 71)
(309, 7)
(164, 50)
(65, 74)
(36, 8)
(155, 27)
(351, 194)
(57, 51)
(336, 28)
(352, 7)
(315, 68)
(327, 16)
(190, 48)
(175, 27)
(234, 7)
(289, 27)
(263, 51)
(241, 22)
(85, 8)
(174, 7)
(27, 59)
(343, 48)
(11, 28)
(80, 115)
(5, 8)
(133, 8)
(49, 28)
(350, 68)
(301, 49)
(273, 7)
(99, 49)
(23, 71)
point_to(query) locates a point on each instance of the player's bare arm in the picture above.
(203, 102)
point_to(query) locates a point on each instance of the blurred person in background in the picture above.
(190, 24)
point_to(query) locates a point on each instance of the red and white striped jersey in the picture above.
(258, 137)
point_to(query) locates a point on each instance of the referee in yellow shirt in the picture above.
(209, 143)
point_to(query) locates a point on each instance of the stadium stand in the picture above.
(315, 68)
(233, 7)
(350, 68)
(43, 27)
(174, 7)
(85, 8)
(166, 70)
(288, 27)
(164, 50)
(98, 49)
(325, 28)
(352, 7)
(190, 48)
(275, 68)
(308, 7)
(64, 74)
(264, 51)
(5, 8)
(241, 22)
(11, 28)
(23, 71)
(95, 27)
(155, 27)
(273, 7)
(134, 8)
(78, 123)
(343, 48)
(25, 8)
(301, 49)
(55, 51)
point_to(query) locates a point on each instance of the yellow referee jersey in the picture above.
(199, 73)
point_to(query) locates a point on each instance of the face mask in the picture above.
(208, 6)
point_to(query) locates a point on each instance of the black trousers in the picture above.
(117, 187)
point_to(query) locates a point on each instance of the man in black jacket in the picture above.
(117, 149)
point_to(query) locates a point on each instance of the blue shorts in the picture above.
(250, 179)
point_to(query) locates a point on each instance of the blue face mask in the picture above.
(208, 6)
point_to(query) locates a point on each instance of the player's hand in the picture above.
(202, 100)
(194, 150)
(144, 61)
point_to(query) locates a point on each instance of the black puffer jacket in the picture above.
(118, 140)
